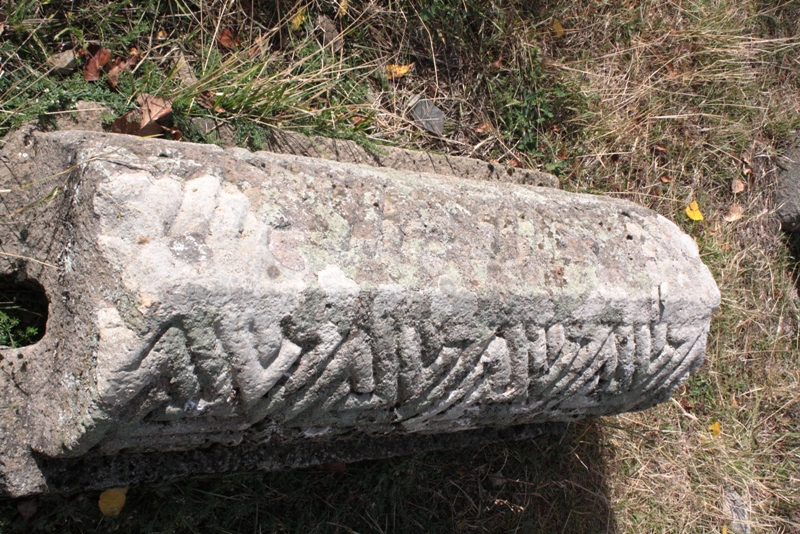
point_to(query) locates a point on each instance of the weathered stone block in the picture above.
(228, 310)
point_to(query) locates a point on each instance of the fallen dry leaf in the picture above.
(174, 133)
(665, 178)
(111, 501)
(97, 59)
(693, 211)
(735, 213)
(330, 33)
(128, 124)
(497, 64)
(484, 128)
(357, 119)
(161, 35)
(558, 29)
(343, 5)
(395, 72)
(229, 39)
(207, 99)
(119, 64)
(660, 150)
(513, 162)
(738, 186)
(715, 428)
(153, 108)
(298, 19)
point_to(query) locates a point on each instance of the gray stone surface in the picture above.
(344, 151)
(204, 302)
(787, 194)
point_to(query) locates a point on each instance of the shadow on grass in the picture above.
(551, 484)
(793, 244)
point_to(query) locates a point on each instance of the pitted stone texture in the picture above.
(237, 298)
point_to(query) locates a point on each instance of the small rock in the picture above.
(428, 116)
(63, 63)
(221, 132)
(736, 512)
(183, 71)
(330, 33)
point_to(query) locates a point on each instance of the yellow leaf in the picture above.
(724, 529)
(111, 501)
(298, 19)
(343, 5)
(693, 211)
(558, 28)
(715, 428)
(393, 72)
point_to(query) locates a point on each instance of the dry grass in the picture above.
(661, 102)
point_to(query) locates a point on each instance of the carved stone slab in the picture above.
(210, 300)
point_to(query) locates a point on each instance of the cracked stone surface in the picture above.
(216, 310)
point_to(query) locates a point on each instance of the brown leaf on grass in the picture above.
(735, 213)
(97, 59)
(357, 119)
(174, 133)
(658, 149)
(153, 108)
(143, 122)
(128, 124)
(395, 72)
(229, 39)
(558, 29)
(119, 64)
(497, 64)
(738, 186)
(207, 99)
(513, 162)
(161, 35)
(665, 178)
(484, 128)
(330, 33)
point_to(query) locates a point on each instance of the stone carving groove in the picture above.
(203, 299)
